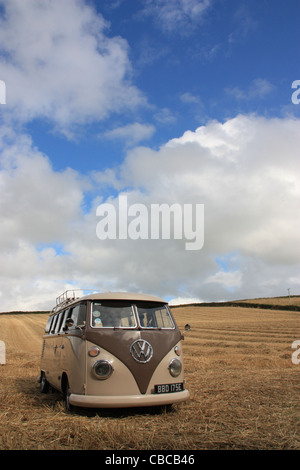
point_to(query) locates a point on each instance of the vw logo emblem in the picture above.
(141, 351)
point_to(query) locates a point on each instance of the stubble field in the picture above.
(238, 361)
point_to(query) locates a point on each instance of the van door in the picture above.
(59, 357)
(47, 349)
(56, 347)
(73, 349)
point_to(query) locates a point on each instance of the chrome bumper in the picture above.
(127, 401)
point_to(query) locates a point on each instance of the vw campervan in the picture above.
(113, 350)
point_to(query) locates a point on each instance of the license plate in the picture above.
(168, 388)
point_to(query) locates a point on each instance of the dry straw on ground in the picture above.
(238, 361)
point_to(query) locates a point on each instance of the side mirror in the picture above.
(187, 327)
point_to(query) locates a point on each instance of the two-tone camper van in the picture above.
(113, 350)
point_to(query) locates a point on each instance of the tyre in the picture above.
(44, 384)
(66, 393)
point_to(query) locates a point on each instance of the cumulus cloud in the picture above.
(33, 205)
(39, 210)
(67, 71)
(245, 172)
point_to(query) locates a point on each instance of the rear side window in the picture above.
(61, 322)
(54, 323)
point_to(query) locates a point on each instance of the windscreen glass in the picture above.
(154, 316)
(112, 314)
(115, 314)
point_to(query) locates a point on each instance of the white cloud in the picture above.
(176, 15)
(39, 211)
(36, 203)
(251, 196)
(184, 301)
(258, 88)
(62, 65)
(229, 280)
(132, 134)
(165, 116)
(245, 171)
(189, 98)
(245, 24)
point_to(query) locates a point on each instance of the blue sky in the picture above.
(182, 101)
(237, 57)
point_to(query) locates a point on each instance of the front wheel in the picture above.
(67, 393)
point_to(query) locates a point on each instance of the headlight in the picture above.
(178, 350)
(102, 369)
(175, 367)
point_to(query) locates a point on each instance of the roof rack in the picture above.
(69, 296)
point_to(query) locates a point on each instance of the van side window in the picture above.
(48, 325)
(79, 314)
(62, 318)
(57, 323)
(54, 323)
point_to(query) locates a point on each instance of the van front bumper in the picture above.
(127, 401)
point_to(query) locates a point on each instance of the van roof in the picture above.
(65, 299)
(122, 296)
